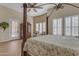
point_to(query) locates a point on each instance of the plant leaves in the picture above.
(4, 25)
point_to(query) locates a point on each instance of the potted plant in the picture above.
(4, 25)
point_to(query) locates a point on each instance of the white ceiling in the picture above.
(18, 7)
(14, 6)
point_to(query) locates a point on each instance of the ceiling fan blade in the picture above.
(29, 10)
(46, 4)
(34, 9)
(71, 5)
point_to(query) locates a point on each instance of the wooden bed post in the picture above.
(24, 22)
(24, 26)
(47, 25)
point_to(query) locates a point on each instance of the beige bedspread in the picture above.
(49, 45)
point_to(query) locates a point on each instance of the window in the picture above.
(68, 26)
(14, 29)
(57, 26)
(75, 26)
(37, 27)
(41, 27)
(44, 27)
(71, 26)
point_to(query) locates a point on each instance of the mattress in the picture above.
(49, 45)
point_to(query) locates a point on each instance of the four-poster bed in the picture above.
(47, 42)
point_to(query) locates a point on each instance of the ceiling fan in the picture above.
(32, 6)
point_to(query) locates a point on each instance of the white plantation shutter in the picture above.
(71, 26)
(75, 26)
(60, 26)
(37, 27)
(41, 27)
(44, 26)
(68, 26)
(57, 26)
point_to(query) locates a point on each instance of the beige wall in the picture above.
(67, 11)
(5, 15)
(38, 19)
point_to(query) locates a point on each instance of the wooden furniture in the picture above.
(28, 30)
(21, 31)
